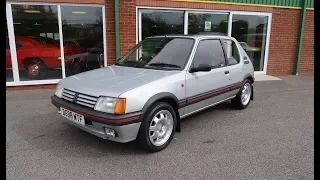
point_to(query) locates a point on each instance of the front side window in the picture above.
(160, 53)
(209, 52)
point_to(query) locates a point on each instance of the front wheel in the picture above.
(36, 69)
(158, 127)
(243, 98)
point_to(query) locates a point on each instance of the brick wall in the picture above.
(283, 41)
(127, 25)
(110, 31)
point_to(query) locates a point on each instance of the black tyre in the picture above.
(36, 69)
(243, 98)
(158, 127)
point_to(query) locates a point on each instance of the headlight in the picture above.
(111, 105)
(59, 91)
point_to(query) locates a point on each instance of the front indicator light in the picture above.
(120, 107)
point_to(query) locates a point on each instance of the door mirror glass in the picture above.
(201, 67)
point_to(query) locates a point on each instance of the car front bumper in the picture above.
(126, 127)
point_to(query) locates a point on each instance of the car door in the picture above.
(233, 57)
(206, 88)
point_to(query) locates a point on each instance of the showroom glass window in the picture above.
(205, 23)
(38, 50)
(251, 32)
(82, 29)
(161, 23)
(9, 74)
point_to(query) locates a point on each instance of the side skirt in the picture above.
(181, 117)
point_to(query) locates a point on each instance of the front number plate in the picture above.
(75, 117)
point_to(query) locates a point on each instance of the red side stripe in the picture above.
(97, 117)
(182, 103)
(208, 95)
(236, 86)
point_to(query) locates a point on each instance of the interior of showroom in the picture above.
(49, 40)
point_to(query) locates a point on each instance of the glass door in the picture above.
(160, 22)
(251, 30)
(82, 34)
(212, 23)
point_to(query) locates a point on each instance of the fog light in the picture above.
(110, 132)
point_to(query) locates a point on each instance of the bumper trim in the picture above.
(93, 115)
(126, 133)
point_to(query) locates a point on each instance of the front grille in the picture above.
(78, 98)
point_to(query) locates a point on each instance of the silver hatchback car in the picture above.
(163, 79)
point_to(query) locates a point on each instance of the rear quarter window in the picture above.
(232, 52)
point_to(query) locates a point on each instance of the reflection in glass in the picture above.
(82, 29)
(161, 23)
(159, 53)
(38, 54)
(251, 32)
(203, 23)
(9, 74)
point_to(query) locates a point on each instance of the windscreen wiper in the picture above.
(130, 63)
(164, 65)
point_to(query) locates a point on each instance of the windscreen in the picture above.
(166, 52)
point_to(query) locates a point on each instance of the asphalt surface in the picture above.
(272, 139)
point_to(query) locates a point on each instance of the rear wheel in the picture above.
(243, 98)
(36, 69)
(158, 127)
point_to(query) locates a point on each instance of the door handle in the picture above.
(226, 72)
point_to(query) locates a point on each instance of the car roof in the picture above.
(194, 36)
(24, 37)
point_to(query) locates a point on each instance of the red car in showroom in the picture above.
(37, 55)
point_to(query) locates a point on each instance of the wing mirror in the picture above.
(201, 67)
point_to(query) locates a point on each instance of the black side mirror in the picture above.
(201, 67)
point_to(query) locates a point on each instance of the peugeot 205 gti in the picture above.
(160, 81)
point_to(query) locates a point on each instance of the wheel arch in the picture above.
(250, 78)
(26, 60)
(163, 97)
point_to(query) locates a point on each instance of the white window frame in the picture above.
(266, 50)
(140, 9)
(15, 71)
